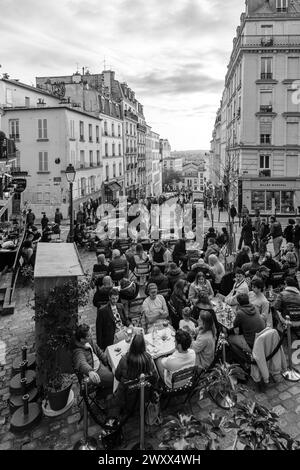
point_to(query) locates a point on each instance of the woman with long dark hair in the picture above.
(178, 301)
(136, 362)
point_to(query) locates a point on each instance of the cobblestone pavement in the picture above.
(62, 432)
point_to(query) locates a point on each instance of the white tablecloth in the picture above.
(156, 347)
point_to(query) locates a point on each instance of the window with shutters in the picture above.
(82, 158)
(42, 129)
(119, 130)
(97, 133)
(264, 165)
(83, 186)
(91, 158)
(113, 150)
(282, 5)
(73, 157)
(98, 157)
(106, 149)
(47, 198)
(107, 172)
(81, 130)
(292, 133)
(113, 130)
(293, 68)
(90, 133)
(14, 130)
(120, 169)
(266, 68)
(120, 152)
(72, 129)
(43, 162)
(265, 131)
(292, 107)
(266, 101)
(114, 170)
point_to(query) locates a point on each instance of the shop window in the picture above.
(287, 202)
(258, 200)
(270, 195)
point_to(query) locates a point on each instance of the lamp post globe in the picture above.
(70, 175)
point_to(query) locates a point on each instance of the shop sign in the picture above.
(21, 184)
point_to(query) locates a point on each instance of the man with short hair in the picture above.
(111, 322)
(248, 321)
(183, 358)
(89, 360)
(251, 268)
(240, 287)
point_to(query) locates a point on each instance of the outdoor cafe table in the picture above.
(224, 313)
(156, 348)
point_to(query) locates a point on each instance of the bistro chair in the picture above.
(135, 307)
(183, 382)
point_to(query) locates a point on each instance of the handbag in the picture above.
(152, 416)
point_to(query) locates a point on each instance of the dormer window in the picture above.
(282, 5)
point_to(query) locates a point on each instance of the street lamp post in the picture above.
(70, 175)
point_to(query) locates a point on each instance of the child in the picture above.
(187, 324)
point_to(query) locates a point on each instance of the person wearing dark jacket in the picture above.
(58, 217)
(159, 279)
(103, 290)
(247, 234)
(179, 254)
(277, 235)
(233, 212)
(89, 360)
(174, 273)
(110, 321)
(249, 322)
(263, 236)
(44, 221)
(242, 257)
(253, 266)
(289, 231)
(289, 299)
(210, 234)
(178, 301)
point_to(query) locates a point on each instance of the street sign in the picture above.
(21, 184)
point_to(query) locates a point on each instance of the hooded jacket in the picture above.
(287, 301)
(174, 275)
(249, 321)
(265, 343)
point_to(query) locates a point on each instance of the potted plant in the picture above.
(257, 429)
(56, 316)
(186, 432)
(221, 384)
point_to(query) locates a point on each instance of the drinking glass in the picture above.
(129, 333)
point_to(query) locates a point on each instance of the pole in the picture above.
(290, 374)
(142, 412)
(71, 237)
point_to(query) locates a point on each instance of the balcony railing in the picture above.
(266, 76)
(266, 109)
(277, 40)
(267, 41)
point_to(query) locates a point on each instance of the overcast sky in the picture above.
(172, 53)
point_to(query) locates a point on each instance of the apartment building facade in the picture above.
(49, 139)
(262, 110)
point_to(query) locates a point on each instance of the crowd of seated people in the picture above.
(182, 296)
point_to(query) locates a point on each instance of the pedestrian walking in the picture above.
(233, 212)
(277, 235)
(58, 217)
(44, 221)
(30, 218)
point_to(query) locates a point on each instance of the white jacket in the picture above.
(265, 343)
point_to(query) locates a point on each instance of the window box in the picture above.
(42, 140)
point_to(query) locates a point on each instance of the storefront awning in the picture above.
(114, 186)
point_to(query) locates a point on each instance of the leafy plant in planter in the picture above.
(257, 428)
(186, 432)
(27, 273)
(221, 384)
(56, 316)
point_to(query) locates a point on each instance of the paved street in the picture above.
(63, 432)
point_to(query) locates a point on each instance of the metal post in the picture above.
(87, 443)
(23, 369)
(142, 412)
(25, 404)
(290, 374)
(23, 386)
(24, 353)
(71, 236)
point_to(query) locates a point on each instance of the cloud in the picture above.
(173, 54)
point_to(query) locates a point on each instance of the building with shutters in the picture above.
(257, 129)
(49, 138)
